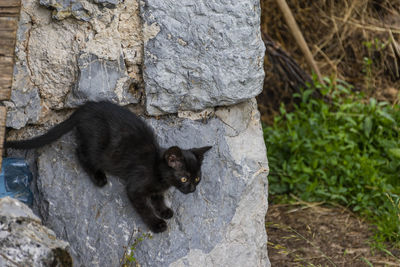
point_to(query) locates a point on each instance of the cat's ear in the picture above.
(173, 157)
(199, 152)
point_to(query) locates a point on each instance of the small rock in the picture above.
(24, 241)
(107, 3)
(66, 8)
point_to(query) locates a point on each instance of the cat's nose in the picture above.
(192, 188)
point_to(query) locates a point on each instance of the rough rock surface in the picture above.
(198, 56)
(205, 53)
(101, 80)
(80, 9)
(226, 213)
(66, 8)
(24, 107)
(24, 241)
(56, 60)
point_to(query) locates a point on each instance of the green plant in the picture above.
(375, 50)
(346, 150)
(129, 254)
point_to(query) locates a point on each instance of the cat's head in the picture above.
(185, 166)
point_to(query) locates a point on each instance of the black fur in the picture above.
(113, 140)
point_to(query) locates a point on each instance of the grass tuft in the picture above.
(346, 151)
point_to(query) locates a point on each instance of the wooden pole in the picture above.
(9, 15)
(298, 36)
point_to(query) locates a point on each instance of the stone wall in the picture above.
(191, 68)
(65, 57)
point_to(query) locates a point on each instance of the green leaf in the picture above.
(395, 152)
(386, 116)
(343, 89)
(367, 126)
(306, 95)
(296, 95)
(372, 102)
(367, 262)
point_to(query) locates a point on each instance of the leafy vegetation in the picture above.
(345, 150)
(129, 258)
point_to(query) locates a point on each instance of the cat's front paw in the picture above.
(158, 226)
(100, 179)
(167, 213)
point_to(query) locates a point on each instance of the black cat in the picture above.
(112, 139)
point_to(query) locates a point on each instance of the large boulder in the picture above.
(24, 241)
(226, 213)
(203, 53)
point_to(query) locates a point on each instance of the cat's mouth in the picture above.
(187, 190)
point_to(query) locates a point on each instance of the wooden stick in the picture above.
(9, 14)
(298, 36)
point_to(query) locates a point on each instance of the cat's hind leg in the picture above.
(97, 176)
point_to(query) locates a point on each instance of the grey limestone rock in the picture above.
(24, 107)
(100, 79)
(24, 241)
(67, 8)
(225, 213)
(201, 53)
(107, 3)
(75, 8)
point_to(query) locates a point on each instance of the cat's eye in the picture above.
(197, 179)
(183, 179)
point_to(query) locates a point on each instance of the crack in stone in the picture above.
(28, 63)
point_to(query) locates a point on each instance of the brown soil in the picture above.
(309, 234)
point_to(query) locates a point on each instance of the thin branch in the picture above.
(298, 36)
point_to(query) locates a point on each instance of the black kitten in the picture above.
(112, 139)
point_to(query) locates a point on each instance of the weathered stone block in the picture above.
(225, 213)
(201, 54)
(24, 107)
(105, 52)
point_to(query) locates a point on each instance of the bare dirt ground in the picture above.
(309, 234)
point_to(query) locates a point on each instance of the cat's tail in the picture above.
(52, 135)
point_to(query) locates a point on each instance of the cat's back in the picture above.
(112, 113)
(120, 121)
(129, 143)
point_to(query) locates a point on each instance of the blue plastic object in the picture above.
(15, 179)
